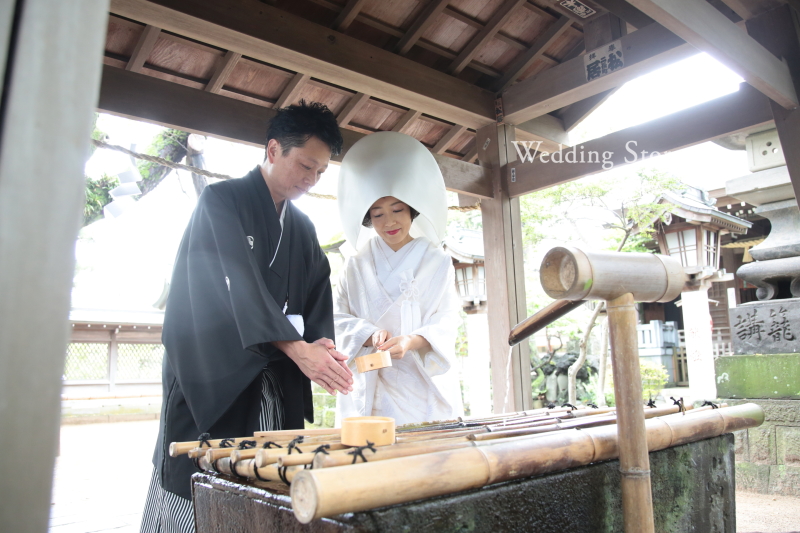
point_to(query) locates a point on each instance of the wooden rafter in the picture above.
(292, 90)
(708, 30)
(647, 49)
(268, 34)
(439, 49)
(627, 12)
(348, 14)
(723, 116)
(405, 121)
(352, 108)
(501, 35)
(224, 70)
(421, 23)
(537, 49)
(448, 139)
(472, 155)
(146, 98)
(143, 48)
(497, 21)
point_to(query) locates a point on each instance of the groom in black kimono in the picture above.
(249, 319)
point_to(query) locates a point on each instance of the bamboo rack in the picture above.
(327, 492)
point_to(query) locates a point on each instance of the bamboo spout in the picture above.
(541, 320)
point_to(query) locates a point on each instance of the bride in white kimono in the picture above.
(398, 292)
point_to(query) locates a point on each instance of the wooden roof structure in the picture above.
(468, 78)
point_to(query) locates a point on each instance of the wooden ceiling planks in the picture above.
(380, 23)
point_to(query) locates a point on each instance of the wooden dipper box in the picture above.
(373, 361)
(358, 430)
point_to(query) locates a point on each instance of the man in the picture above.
(249, 318)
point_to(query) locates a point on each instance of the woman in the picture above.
(397, 293)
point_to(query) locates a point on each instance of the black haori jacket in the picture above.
(225, 307)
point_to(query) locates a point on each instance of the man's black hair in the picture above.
(296, 124)
(367, 221)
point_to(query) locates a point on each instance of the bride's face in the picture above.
(391, 219)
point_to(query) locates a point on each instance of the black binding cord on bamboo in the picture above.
(227, 443)
(323, 449)
(247, 444)
(269, 444)
(651, 403)
(203, 438)
(712, 404)
(572, 407)
(358, 451)
(679, 403)
(291, 447)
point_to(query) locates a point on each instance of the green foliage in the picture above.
(97, 196)
(654, 377)
(170, 144)
(461, 335)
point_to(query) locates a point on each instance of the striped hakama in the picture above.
(165, 512)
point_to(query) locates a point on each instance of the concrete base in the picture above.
(693, 490)
(768, 457)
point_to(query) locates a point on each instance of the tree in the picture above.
(170, 144)
(628, 212)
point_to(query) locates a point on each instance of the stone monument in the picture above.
(765, 365)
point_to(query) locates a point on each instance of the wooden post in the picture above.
(634, 462)
(51, 58)
(505, 275)
(779, 32)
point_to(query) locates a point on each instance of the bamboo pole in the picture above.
(634, 462)
(328, 492)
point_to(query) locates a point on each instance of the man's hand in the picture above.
(378, 338)
(398, 346)
(321, 363)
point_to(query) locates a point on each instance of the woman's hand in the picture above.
(398, 346)
(378, 338)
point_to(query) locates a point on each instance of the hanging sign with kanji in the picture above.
(603, 61)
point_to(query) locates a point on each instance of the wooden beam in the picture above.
(260, 31)
(779, 31)
(292, 91)
(647, 49)
(574, 114)
(448, 139)
(600, 31)
(497, 21)
(348, 14)
(224, 70)
(522, 62)
(547, 130)
(626, 12)
(50, 72)
(505, 275)
(697, 22)
(471, 156)
(168, 104)
(425, 19)
(143, 48)
(352, 108)
(406, 120)
(723, 116)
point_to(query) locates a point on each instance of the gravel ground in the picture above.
(767, 513)
(93, 492)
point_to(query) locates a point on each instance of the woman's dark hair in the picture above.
(295, 125)
(367, 221)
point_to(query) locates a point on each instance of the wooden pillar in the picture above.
(505, 275)
(778, 31)
(51, 59)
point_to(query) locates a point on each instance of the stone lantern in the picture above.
(692, 234)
